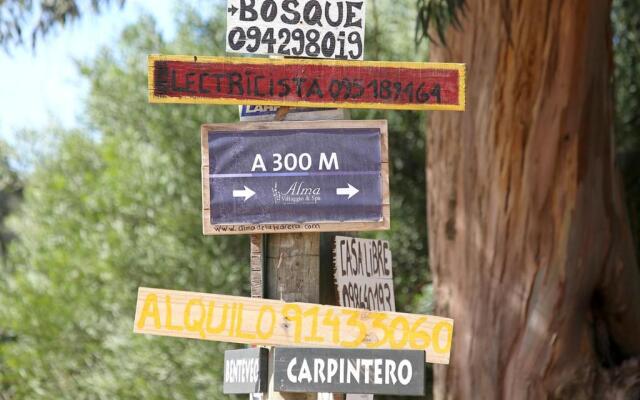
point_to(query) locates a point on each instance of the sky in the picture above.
(53, 91)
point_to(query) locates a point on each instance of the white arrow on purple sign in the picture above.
(246, 193)
(348, 191)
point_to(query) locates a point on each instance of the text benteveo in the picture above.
(244, 370)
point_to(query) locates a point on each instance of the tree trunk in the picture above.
(528, 233)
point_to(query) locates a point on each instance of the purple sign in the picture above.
(295, 175)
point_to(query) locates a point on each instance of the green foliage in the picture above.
(626, 24)
(626, 41)
(111, 208)
(388, 25)
(19, 18)
(116, 205)
(438, 15)
(10, 195)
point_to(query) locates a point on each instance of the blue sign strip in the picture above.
(266, 174)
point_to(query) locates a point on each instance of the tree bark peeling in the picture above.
(527, 223)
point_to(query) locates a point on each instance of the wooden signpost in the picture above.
(272, 322)
(306, 83)
(315, 28)
(363, 273)
(245, 371)
(292, 180)
(295, 177)
(395, 372)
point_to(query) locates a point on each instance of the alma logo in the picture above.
(297, 193)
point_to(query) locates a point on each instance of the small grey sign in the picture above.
(394, 372)
(245, 371)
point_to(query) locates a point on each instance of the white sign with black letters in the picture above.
(364, 278)
(245, 371)
(299, 28)
(363, 273)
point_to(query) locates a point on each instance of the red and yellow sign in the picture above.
(307, 83)
(271, 322)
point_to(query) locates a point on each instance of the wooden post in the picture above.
(292, 274)
(294, 267)
(257, 257)
(286, 266)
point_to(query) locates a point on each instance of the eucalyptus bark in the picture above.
(529, 239)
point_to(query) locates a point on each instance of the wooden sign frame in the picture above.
(277, 323)
(196, 72)
(307, 226)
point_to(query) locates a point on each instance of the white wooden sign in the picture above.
(364, 274)
(299, 28)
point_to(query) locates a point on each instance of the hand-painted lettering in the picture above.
(298, 83)
(237, 320)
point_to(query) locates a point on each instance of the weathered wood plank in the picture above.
(293, 267)
(307, 83)
(257, 265)
(272, 322)
(293, 273)
(243, 229)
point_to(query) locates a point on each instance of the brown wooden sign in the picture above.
(307, 83)
(271, 322)
(309, 176)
